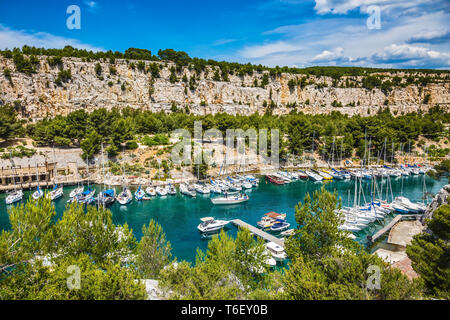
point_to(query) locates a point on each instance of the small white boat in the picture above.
(230, 199)
(288, 233)
(235, 187)
(76, 192)
(151, 191)
(413, 207)
(38, 193)
(107, 197)
(214, 188)
(279, 225)
(246, 185)
(276, 251)
(14, 196)
(201, 189)
(270, 218)
(211, 225)
(161, 191)
(171, 190)
(139, 194)
(125, 197)
(184, 189)
(56, 193)
(313, 176)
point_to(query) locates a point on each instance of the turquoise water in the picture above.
(180, 215)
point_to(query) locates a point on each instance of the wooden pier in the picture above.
(389, 226)
(260, 233)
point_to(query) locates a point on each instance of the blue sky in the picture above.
(413, 34)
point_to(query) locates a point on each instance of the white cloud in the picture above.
(223, 41)
(344, 6)
(264, 50)
(407, 53)
(92, 5)
(345, 39)
(326, 55)
(434, 36)
(17, 38)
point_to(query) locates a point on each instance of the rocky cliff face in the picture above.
(38, 96)
(440, 199)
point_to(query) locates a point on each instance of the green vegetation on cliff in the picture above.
(371, 78)
(115, 127)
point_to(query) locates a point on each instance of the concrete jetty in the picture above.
(260, 233)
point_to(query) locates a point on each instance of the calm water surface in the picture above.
(180, 215)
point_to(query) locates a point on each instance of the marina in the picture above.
(179, 214)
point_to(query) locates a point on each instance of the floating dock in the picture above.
(260, 233)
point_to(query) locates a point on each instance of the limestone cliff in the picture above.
(38, 96)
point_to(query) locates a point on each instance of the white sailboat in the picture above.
(78, 190)
(184, 189)
(16, 195)
(161, 191)
(38, 193)
(56, 193)
(125, 197)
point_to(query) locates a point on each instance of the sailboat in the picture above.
(15, 195)
(171, 190)
(150, 190)
(56, 193)
(139, 194)
(38, 193)
(125, 197)
(106, 197)
(78, 190)
(161, 191)
(184, 189)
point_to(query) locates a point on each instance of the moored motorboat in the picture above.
(276, 251)
(269, 219)
(302, 175)
(279, 225)
(275, 180)
(314, 176)
(210, 224)
(230, 199)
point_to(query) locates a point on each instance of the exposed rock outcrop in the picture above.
(38, 95)
(439, 199)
